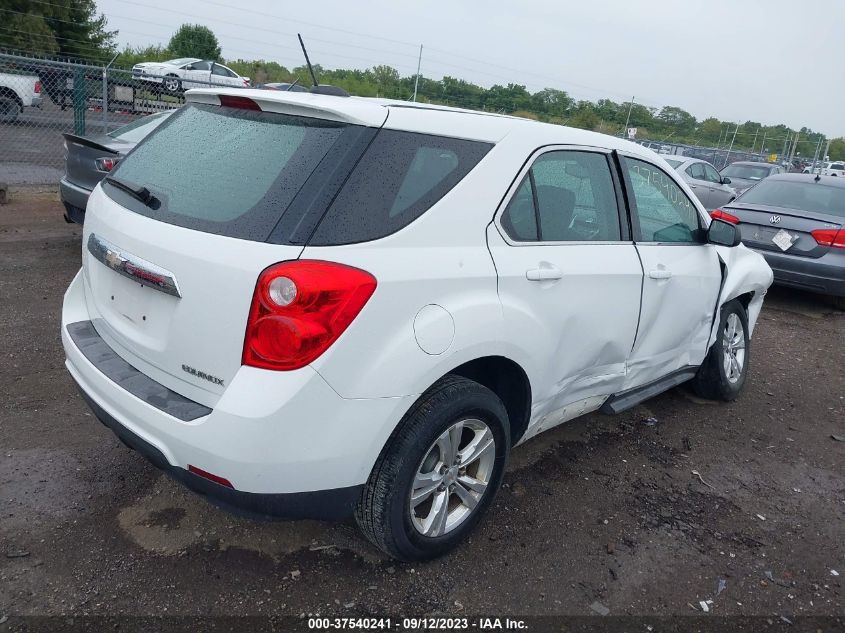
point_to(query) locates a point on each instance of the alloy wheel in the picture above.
(733, 348)
(452, 477)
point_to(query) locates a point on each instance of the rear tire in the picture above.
(838, 303)
(10, 108)
(417, 460)
(724, 370)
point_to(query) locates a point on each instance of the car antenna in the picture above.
(307, 61)
(290, 87)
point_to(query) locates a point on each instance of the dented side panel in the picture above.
(745, 272)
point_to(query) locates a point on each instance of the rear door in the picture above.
(569, 275)
(169, 283)
(697, 180)
(682, 275)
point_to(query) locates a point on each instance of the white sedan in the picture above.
(176, 75)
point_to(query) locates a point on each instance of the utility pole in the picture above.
(728, 155)
(754, 142)
(763, 144)
(827, 151)
(417, 80)
(628, 118)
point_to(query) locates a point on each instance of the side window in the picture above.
(711, 175)
(696, 170)
(520, 218)
(571, 195)
(399, 177)
(222, 71)
(663, 211)
(201, 66)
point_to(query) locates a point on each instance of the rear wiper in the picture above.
(136, 191)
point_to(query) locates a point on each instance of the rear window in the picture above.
(748, 172)
(223, 170)
(401, 175)
(674, 164)
(808, 196)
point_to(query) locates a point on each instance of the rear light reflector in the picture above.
(207, 475)
(106, 164)
(829, 237)
(37, 87)
(718, 214)
(299, 309)
(244, 103)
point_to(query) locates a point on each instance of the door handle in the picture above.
(543, 274)
(660, 274)
(693, 186)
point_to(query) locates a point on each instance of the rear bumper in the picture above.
(75, 199)
(288, 443)
(825, 275)
(338, 503)
(36, 102)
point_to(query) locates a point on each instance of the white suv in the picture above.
(317, 306)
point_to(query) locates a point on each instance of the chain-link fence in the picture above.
(41, 100)
(716, 156)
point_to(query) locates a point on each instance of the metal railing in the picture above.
(79, 99)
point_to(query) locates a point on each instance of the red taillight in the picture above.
(718, 214)
(299, 309)
(244, 103)
(106, 164)
(37, 87)
(829, 237)
(211, 477)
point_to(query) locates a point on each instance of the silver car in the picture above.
(746, 174)
(709, 186)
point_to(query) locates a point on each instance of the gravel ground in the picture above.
(603, 512)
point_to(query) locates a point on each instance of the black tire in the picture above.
(10, 108)
(712, 381)
(838, 303)
(383, 513)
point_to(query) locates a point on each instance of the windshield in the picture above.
(137, 130)
(674, 164)
(223, 170)
(749, 172)
(803, 195)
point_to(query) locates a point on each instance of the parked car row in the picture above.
(826, 168)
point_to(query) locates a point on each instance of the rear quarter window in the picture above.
(400, 176)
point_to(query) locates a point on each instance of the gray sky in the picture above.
(735, 59)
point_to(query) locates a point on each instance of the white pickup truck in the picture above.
(16, 93)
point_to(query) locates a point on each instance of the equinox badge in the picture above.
(203, 375)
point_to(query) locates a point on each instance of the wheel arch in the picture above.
(508, 380)
(5, 91)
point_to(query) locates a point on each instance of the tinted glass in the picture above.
(664, 212)
(225, 171)
(520, 218)
(710, 174)
(696, 170)
(837, 166)
(137, 130)
(576, 199)
(804, 195)
(201, 66)
(749, 172)
(399, 178)
(674, 164)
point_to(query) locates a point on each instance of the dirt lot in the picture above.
(604, 510)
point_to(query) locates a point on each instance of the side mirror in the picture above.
(723, 233)
(190, 67)
(726, 180)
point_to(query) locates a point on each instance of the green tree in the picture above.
(676, 119)
(195, 40)
(69, 28)
(837, 149)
